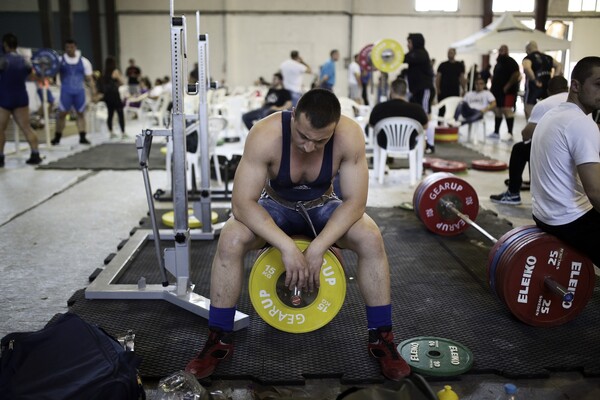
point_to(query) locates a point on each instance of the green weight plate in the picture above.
(435, 356)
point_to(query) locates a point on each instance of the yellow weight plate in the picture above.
(387, 55)
(274, 303)
(168, 219)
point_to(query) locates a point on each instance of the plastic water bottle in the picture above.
(510, 392)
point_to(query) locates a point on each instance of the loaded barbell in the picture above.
(542, 280)
(46, 62)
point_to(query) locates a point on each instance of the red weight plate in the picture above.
(499, 249)
(489, 165)
(437, 217)
(525, 293)
(512, 248)
(448, 166)
(446, 134)
(423, 185)
(428, 160)
(364, 57)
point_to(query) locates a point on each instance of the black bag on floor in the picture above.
(68, 359)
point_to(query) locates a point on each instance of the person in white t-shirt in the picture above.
(74, 72)
(475, 103)
(565, 164)
(354, 81)
(558, 89)
(292, 71)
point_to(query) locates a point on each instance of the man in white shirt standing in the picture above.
(292, 71)
(565, 164)
(354, 81)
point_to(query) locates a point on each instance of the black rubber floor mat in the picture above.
(438, 289)
(114, 156)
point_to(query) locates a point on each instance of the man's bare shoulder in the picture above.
(348, 131)
(265, 136)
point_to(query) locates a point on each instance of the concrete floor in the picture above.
(57, 227)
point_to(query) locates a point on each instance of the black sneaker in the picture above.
(2, 161)
(513, 199)
(34, 159)
(83, 140)
(429, 149)
(56, 140)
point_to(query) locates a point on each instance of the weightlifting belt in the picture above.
(299, 205)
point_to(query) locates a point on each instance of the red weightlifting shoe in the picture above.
(219, 346)
(382, 347)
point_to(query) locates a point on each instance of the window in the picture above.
(584, 5)
(436, 5)
(501, 6)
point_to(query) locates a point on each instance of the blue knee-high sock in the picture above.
(379, 316)
(221, 318)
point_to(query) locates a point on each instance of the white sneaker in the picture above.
(493, 135)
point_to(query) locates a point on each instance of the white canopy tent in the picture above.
(508, 31)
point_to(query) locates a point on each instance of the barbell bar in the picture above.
(448, 205)
(549, 282)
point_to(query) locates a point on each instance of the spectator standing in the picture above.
(74, 71)
(354, 81)
(538, 68)
(505, 86)
(450, 78)
(419, 73)
(133, 74)
(292, 71)
(420, 77)
(365, 79)
(109, 87)
(14, 71)
(327, 74)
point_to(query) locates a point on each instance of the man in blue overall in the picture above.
(283, 187)
(74, 71)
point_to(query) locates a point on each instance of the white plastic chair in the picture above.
(398, 131)
(216, 125)
(154, 112)
(448, 118)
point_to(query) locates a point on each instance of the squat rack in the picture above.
(175, 260)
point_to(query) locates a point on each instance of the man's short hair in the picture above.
(399, 86)
(294, 54)
(583, 68)
(70, 41)
(278, 75)
(320, 106)
(10, 40)
(557, 84)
